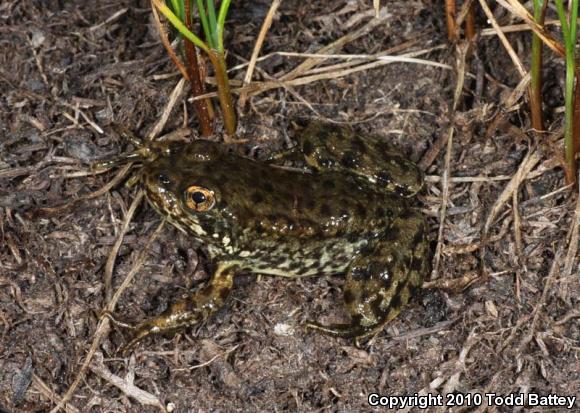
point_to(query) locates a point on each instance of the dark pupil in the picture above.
(198, 197)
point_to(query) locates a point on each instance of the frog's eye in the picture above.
(199, 199)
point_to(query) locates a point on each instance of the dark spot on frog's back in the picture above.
(207, 291)
(268, 187)
(349, 160)
(325, 210)
(419, 238)
(257, 198)
(406, 213)
(358, 145)
(396, 299)
(414, 289)
(295, 265)
(348, 297)
(307, 148)
(352, 237)
(376, 306)
(328, 184)
(417, 265)
(224, 292)
(361, 211)
(393, 234)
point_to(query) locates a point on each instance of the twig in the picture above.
(462, 50)
(113, 253)
(338, 44)
(259, 87)
(452, 29)
(572, 253)
(166, 43)
(49, 211)
(257, 47)
(125, 385)
(167, 111)
(43, 388)
(529, 162)
(548, 284)
(506, 44)
(104, 322)
(514, 7)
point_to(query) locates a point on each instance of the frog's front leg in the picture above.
(190, 311)
(380, 283)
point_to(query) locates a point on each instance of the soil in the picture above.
(501, 313)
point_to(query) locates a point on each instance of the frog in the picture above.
(346, 210)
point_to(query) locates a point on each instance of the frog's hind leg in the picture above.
(381, 282)
(190, 311)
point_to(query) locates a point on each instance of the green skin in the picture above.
(350, 215)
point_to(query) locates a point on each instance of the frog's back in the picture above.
(277, 202)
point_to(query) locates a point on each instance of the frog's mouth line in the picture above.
(167, 206)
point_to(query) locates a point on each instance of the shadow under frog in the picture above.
(349, 212)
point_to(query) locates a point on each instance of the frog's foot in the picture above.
(381, 282)
(177, 318)
(338, 330)
(115, 321)
(188, 312)
(354, 330)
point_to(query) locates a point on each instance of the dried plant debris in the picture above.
(499, 315)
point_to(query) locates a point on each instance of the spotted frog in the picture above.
(347, 211)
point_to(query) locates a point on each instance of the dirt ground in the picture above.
(504, 245)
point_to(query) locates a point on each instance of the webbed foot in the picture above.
(184, 313)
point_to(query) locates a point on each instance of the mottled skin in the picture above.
(350, 215)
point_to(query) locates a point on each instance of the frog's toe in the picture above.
(116, 321)
(141, 331)
(352, 330)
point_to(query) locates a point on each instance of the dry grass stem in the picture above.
(164, 37)
(104, 323)
(173, 98)
(549, 281)
(43, 389)
(119, 177)
(520, 261)
(377, 7)
(257, 47)
(514, 7)
(529, 162)
(339, 44)
(572, 253)
(462, 50)
(126, 385)
(506, 44)
(115, 249)
(260, 87)
(361, 57)
(450, 12)
(514, 28)
(109, 20)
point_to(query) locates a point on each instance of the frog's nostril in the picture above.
(163, 179)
